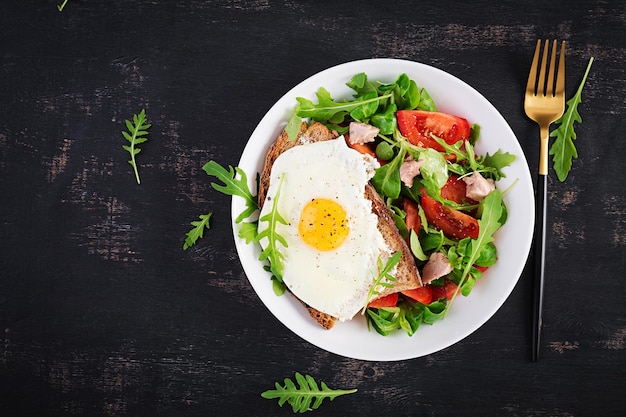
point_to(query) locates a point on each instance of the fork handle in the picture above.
(539, 259)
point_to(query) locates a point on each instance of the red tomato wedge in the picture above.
(455, 189)
(423, 294)
(387, 301)
(362, 148)
(453, 223)
(412, 219)
(446, 291)
(418, 125)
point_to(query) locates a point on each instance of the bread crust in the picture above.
(407, 275)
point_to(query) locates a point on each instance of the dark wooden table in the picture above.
(103, 314)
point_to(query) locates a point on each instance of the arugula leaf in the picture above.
(233, 186)
(563, 147)
(407, 95)
(386, 179)
(490, 166)
(278, 287)
(416, 247)
(371, 104)
(62, 5)
(198, 231)
(384, 278)
(496, 162)
(137, 131)
(272, 252)
(386, 320)
(406, 316)
(469, 250)
(328, 109)
(248, 231)
(306, 396)
(386, 121)
(293, 126)
(434, 167)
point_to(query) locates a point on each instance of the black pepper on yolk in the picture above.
(323, 224)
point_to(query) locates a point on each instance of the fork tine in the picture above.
(550, 80)
(560, 77)
(541, 86)
(532, 76)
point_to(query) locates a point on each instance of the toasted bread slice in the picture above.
(407, 275)
(317, 132)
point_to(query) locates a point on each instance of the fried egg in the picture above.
(333, 243)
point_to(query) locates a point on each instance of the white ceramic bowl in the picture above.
(352, 338)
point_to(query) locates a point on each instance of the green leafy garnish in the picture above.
(233, 186)
(465, 255)
(406, 316)
(62, 5)
(467, 161)
(307, 395)
(373, 103)
(272, 251)
(248, 231)
(137, 131)
(235, 183)
(416, 247)
(384, 278)
(563, 147)
(293, 126)
(329, 109)
(386, 179)
(198, 231)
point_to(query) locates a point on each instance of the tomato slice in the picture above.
(453, 223)
(455, 189)
(417, 126)
(422, 295)
(387, 301)
(363, 148)
(412, 219)
(446, 291)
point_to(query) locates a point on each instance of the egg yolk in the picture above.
(323, 224)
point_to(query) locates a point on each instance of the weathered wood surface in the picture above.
(102, 313)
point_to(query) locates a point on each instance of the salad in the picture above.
(428, 164)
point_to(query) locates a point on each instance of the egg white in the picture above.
(335, 282)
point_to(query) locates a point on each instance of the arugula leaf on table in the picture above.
(198, 231)
(233, 186)
(307, 395)
(563, 147)
(384, 278)
(137, 131)
(62, 5)
(272, 252)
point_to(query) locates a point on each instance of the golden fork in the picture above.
(544, 102)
